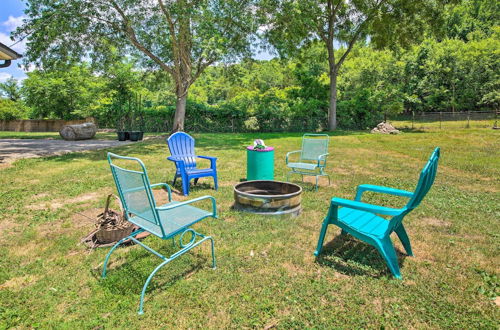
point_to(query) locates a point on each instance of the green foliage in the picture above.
(10, 89)
(471, 19)
(453, 75)
(10, 110)
(64, 94)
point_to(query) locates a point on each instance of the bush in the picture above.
(10, 110)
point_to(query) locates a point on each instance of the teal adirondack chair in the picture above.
(165, 221)
(312, 159)
(361, 220)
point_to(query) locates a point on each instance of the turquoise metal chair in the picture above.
(312, 159)
(165, 221)
(361, 220)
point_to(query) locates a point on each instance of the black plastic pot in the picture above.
(135, 135)
(141, 135)
(122, 136)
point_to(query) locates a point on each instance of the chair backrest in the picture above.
(426, 180)
(134, 189)
(314, 145)
(181, 145)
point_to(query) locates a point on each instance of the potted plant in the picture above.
(121, 133)
(136, 122)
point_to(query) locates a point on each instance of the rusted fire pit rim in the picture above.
(267, 196)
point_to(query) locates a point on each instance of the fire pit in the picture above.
(268, 197)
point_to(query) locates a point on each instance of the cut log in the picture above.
(78, 132)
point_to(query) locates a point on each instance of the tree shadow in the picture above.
(177, 188)
(352, 257)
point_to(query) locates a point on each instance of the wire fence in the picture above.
(214, 122)
(446, 120)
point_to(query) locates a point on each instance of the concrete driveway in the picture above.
(12, 149)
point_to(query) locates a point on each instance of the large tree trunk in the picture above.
(332, 110)
(180, 113)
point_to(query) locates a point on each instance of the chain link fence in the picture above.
(446, 120)
(219, 122)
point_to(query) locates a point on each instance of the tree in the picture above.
(339, 24)
(62, 94)
(181, 37)
(11, 89)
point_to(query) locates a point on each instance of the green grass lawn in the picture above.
(267, 274)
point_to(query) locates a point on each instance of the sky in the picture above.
(11, 16)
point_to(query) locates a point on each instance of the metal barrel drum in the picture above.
(268, 197)
(260, 164)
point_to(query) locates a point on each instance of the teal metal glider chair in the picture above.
(165, 221)
(312, 159)
(362, 220)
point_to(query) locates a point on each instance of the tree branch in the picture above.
(130, 33)
(357, 33)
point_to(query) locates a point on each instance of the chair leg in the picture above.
(175, 179)
(329, 182)
(214, 265)
(196, 181)
(387, 251)
(141, 311)
(103, 275)
(403, 237)
(322, 234)
(216, 183)
(185, 186)
(316, 189)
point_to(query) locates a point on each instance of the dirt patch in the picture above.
(7, 228)
(59, 203)
(18, 283)
(436, 222)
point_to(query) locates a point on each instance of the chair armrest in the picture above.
(213, 160)
(381, 189)
(166, 186)
(291, 152)
(365, 207)
(322, 160)
(178, 162)
(207, 157)
(214, 207)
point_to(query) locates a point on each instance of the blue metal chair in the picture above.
(312, 159)
(361, 220)
(181, 146)
(165, 221)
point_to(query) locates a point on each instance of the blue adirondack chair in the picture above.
(361, 220)
(181, 146)
(312, 159)
(165, 221)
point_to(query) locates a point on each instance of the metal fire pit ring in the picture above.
(268, 197)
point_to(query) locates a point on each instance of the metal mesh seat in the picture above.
(312, 159)
(173, 219)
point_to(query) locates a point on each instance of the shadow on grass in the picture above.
(129, 277)
(177, 188)
(352, 257)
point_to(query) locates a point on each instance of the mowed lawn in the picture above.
(267, 275)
